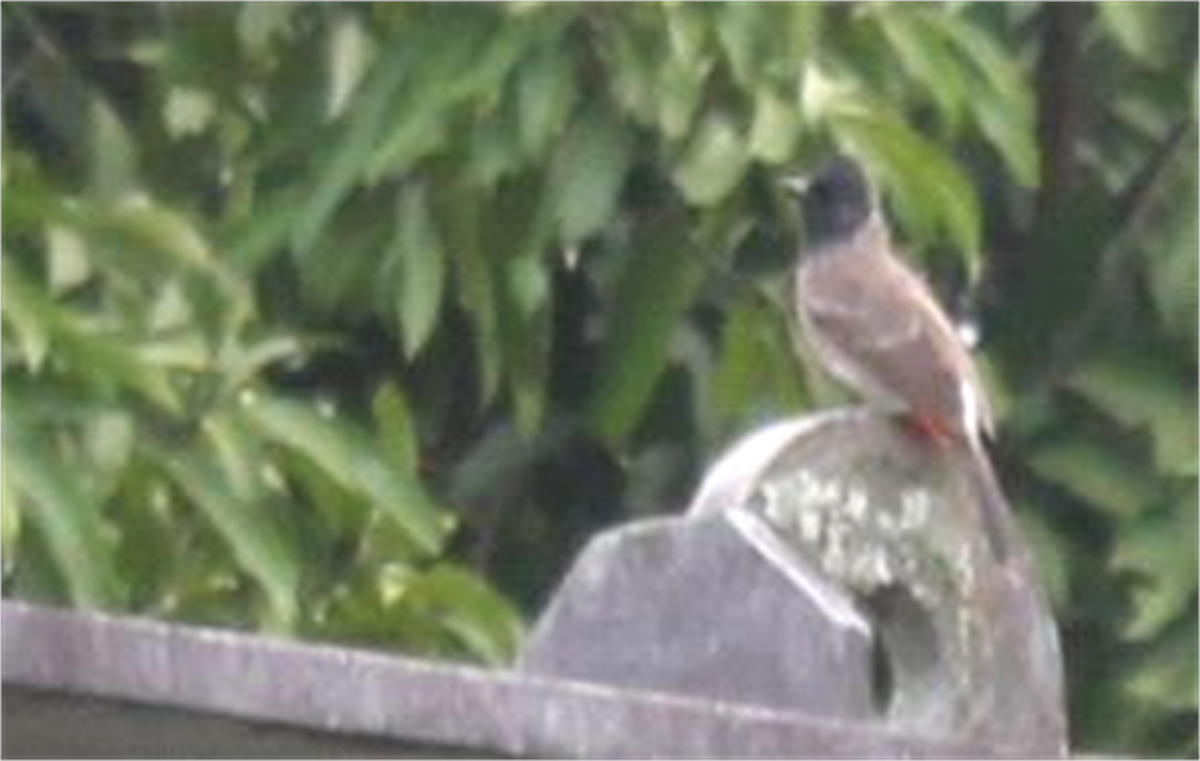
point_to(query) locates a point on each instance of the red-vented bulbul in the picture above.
(877, 327)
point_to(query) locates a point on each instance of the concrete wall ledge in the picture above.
(352, 692)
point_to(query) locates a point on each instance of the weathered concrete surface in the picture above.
(971, 645)
(689, 606)
(56, 724)
(339, 691)
(865, 530)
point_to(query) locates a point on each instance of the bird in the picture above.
(876, 326)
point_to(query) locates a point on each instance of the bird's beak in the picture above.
(796, 185)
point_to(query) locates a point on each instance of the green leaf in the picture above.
(776, 128)
(827, 92)
(107, 361)
(58, 505)
(588, 172)
(684, 74)
(242, 363)
(344, 513)
(744, 33)
(349, 458)
(1011, 131)
(458, 211)
(681, 88)
(687, 29)
(926, 56)
(422, 268)
(528, 284)
(460, 59)
(107, 442)
(29, 201)
(1148, 32)
(250, 532)
(927, 186)
(140, 234)
(483, 621)
(10, 521)
(259, 24)
(999, 94)
(1160, 551)
(28, 313)
(242, 456)
(188, 111)
(713, 163)
(102, 360)
(397, 428)
(1174, 267)
(755, 374)
(656, 285)
(495, 146)
(545, 96)
(350, 53)
(341, 274)
(763, 46)
(68, 264)
(178, 351)
(1097, 474)
(1165, 672)
(421, 132)
(631, 62)
(1143, 388)
(112, 159)
(337, 174)
(525, 336)
(252, 241)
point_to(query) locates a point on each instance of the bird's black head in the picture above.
(835, 202)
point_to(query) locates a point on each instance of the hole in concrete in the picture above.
(882, 679)
(907, 651)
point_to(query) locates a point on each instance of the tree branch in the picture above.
(1059, 101)
(1132, 204)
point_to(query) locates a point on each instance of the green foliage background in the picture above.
(356, 321)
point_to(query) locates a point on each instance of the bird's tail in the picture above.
(993, 505)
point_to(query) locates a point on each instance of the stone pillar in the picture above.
(834, 566)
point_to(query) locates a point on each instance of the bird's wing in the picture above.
(877, 325)
(976, 403)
